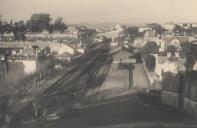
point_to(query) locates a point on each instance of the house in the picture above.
(168, 63)
(99, 39)
(168, 26)
(81, 48)
(149, 34)
(112, 34)
(175, 41)
(194, 24)
(139, 42)
(73, 30)
(185, 25)
(64, 56)
(144, 29)
(67, 35)
(61, 48)
(64, 36)
(28, 58)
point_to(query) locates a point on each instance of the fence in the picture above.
(190, 99)
(180, 91)
(170, 89)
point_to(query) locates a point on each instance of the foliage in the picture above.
(11, 83)
(59, 25)
(19, 30)
(181, 30)
(158, 28)
(190, 51)
(39, 22)
(132, 32)
(44, 53)
(171, 49)
(150, 47)
(178, 29)
(150, 62)
(2, 28)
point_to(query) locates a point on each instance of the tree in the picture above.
(150, 47)
(39, 22)
(157, 27)
(2, 28)
(19, 30)
(5, 27)
(59, 25)
(150, 62)
(178, 29)
(132, 32)
(189, 30)
(190, 54)
(44, 53)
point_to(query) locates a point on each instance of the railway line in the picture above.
(80, 65)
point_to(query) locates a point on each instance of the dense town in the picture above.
(54, 74)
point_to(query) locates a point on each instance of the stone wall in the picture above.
(169, 98)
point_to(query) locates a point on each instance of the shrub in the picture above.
(150, 47)
(150, 62)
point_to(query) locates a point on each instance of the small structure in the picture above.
(175, 41)
(168, 26)
(168, 63)
(144, 29)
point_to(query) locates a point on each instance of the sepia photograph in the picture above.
(98, 63)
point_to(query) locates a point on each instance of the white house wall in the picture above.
(29, 66)
(61, 48)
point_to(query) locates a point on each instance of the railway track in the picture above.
(78, 68)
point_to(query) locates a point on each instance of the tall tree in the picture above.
(178, 29)
(19, 30)
(189, 50)
(157, 27)
(39, 22)
(59, 25)
(132, 32)
(2, 28)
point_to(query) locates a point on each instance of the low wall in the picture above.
(169, 98)
(190, 106)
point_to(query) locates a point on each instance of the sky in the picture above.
(103, 11)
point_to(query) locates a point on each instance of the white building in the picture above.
(143, 29)
(164, 64)
(61, 48)
(139, 42)
(168, 26)
(112, 34)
